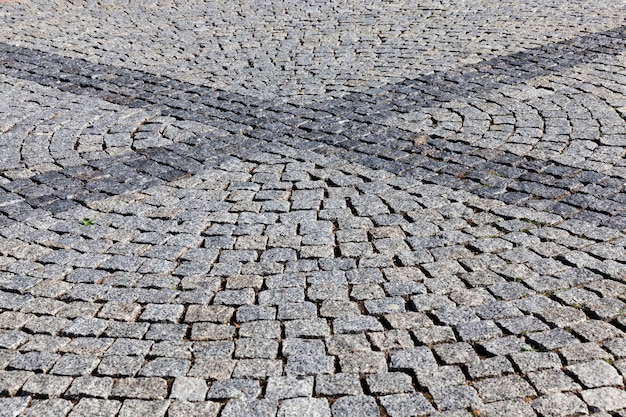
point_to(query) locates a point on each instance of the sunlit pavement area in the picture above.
(313, 209)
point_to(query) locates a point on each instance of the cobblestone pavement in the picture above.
(314, 209)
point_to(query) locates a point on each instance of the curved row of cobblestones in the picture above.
(312, 51)
(394, 128)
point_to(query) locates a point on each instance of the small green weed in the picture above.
(86, 221)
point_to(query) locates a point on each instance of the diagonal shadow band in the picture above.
(342, 127)
(524, 65)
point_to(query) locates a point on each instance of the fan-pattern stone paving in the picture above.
(329, 209)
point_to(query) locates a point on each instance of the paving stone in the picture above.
(420, 358)
(188, 389)
(293, 311)
(455, 316)
(45, 324)
(408, 320)
(143, 407)
(389, 383)
(440, 377)
(310, 407)
(523, 325)
(165, 367)
(504, 388)
(455, 397)
(456, 353)
(234, 389)
(212, 369)
(141, 388)
(385, 305)
(595, 374)
(356, 324)
(128, 330)
(392, 339)
(505, 346)
(534, 361)
(434, 335)
(11, 407)
(172, 332)
(47, 386)
(363, 362)
(90, 386)
(256, 348)
(357, 406)
(342, 343)
(253, 313)
(12, 381)
(551, 381)
(74, 365)
(512, 408)
(617, 347)
(496, 310)
(552, 339)
(584, 352)
(282, 387)
(120, 366)
(34, 361)
(607, 398)
(235, 297)
(95, 407)
(161, 313)
(560, 405)
(596, 331)
(88, 346)
(338, 384)
(405, 405)
(307, 328)
(120, 311)
(259, 368)
(429, 302)
(206, 331)
(53, 407)
(309, 365)
(129, 347)
(184, 408)
(495, 366)
(260, 408)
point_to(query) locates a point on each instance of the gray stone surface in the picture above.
(96, 407)
(184, 408)
(12, 407)
(306, 407)
(361, 406)
(279, 388)
(560, 405)
(607, 399)
(330, 209)
(405, 405)
(188, 389)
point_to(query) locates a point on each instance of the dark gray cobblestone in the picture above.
(352, 210)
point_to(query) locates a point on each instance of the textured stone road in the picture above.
(313, 209)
